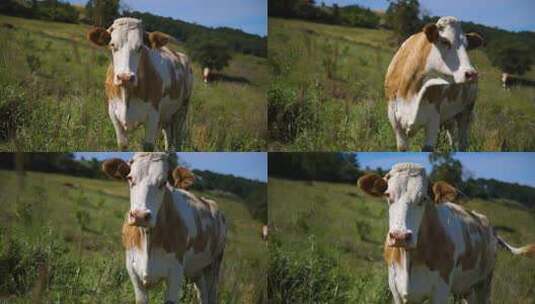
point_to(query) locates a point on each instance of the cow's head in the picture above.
(408, 193)
(449, 56)
(149, 175)
(127, 42)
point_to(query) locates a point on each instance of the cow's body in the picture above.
(456, 254)
(151, 85)
(424, 91)
(188, 241)
(169, 234)
(434, 248)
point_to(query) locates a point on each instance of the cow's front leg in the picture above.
(175, 279)
(392, 284)
(431, 134)
(151, 130)
(140, 292)
(120, 132)
(440, 294)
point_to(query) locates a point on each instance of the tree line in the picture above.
(345, 168)
(511, 52)
(253, 193)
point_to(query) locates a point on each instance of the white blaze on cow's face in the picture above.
(406, 195)
(147, 181)
(126, 45)
(449, 55)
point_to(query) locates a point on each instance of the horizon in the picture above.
(514, 15)
(479, 165)
(250, 16)
(249, 165)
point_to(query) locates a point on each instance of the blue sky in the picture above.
(252, 165)
(515, 15)
(247, 15)
(511, 167)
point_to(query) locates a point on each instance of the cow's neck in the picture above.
(148, 86)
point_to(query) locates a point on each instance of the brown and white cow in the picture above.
(169, 233)
(509, 81)
(206, 74)
(146, 83)
(431, 82)
(434, 247)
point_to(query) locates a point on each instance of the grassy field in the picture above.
(55, 78)
(339, 224)
(71, 227)
(327, 94)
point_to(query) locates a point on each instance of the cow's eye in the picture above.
(113, 47)
(162, 184)
(130, 181)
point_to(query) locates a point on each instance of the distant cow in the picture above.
(265, 232)
(431, 82)
(168, 234)
(509, 81)
(434, 247)
(206, 75)
(147, 83)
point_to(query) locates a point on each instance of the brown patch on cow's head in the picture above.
(474, 41)
(157, 39)
(182, 178)
(443, 192)
(131, 235)
(99, 36)
(116, 168)
(434, 248)
(372, 184)
(406, 71)
(170, 232)
(431, 32)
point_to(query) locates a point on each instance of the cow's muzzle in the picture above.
(399, 238)
(139, 217)
(125, 79)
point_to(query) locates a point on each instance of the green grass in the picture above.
(57, 77)
(85, 262)
(327, 94)
(349, 227)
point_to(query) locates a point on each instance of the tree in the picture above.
(511, 56)
(402, 17)
(446, 168)
(102, 12)
(210, 53)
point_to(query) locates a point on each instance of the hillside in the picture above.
(340, 222)
(73, 225)
(52, 79)
(327, 93)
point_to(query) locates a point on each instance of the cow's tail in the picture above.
(528, 250)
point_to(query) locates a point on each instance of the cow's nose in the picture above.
(399, 235)
(140, 216)
(126, 77)
(471, 75)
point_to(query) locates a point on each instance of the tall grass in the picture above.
(333, 233)
(62, 244)
(327, 94)
(55, 78)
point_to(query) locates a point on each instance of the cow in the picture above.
(206, 74)
(168, 233)
(430, 82)
(434, 247)
(509, 81)
(146, 83)
(265, 232)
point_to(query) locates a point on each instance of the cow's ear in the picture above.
(372, 184)
(474, 40)
(443, 192)
(99, 36)
(116, 168)
(181, 178)
(431, 32)
(158, 39)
